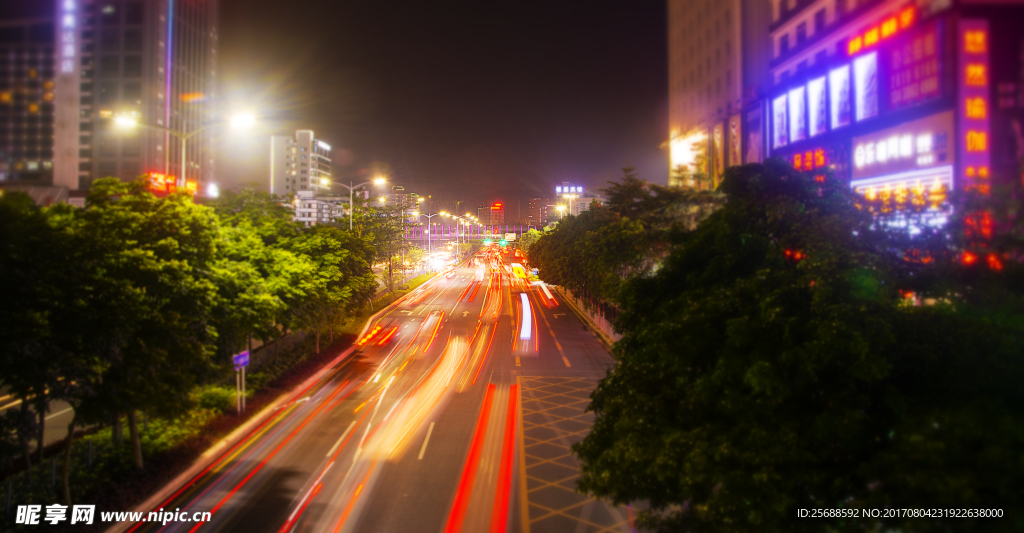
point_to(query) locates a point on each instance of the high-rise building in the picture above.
(535, 211)
(904, 100)
(154, 61)
(26, 102)
(718, 60)
(491, 215)
(299, 163)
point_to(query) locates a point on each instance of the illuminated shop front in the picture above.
(916, 104)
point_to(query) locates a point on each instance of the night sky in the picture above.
(471, 101)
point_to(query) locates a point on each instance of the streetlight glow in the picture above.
(125, 121)
(212, 190)
(243, 120)
(379, 180)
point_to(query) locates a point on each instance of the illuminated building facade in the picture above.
(26, 102)
(491, 215)
(152, 60)
(299, 162)
(904, 100)
(718, 61)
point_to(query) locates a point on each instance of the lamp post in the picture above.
(351, 187)
(561, 211)
(238, 121)
(429, 250)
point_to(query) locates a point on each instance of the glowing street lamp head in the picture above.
(418, 200)
(243, 120)
(560, 208)
(212, 190)
(382, 199)
(325, 181)
(415, 213)
(379, 180)
(125, 121)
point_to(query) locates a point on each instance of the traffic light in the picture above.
(487, 242)
(503, 243)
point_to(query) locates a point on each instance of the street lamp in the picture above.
(418, 214)
(237, 121)
(378, 181)
(561, 211)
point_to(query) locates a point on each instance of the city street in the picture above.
(458, 407)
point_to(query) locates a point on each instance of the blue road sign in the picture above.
(241, 359)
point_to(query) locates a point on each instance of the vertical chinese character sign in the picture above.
(974, 80)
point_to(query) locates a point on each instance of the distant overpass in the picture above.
(443, 232)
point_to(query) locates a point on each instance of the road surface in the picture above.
(456, 414)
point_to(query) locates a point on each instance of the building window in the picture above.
(131, 90)
(801, 33)
(819, 20)
(108, 66)
(132, 66)
(784, 45)
(133, 13)
(132, 40)
(107, 92)
(109, 38)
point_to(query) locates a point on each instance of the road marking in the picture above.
(556, 315)
(464, 313)
(425, 441)
(566, 361)
(343, 435)
(517, 360)
(58, 413)
(408, 312)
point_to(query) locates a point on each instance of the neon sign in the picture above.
(974, 87)
(914, 68)
(882, 31)
(68, 45)
(810, 160)
(920, 143)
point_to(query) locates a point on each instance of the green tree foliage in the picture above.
(772, 363)
(528, 239)
(340, 282)
(596, 252)
(130, 303)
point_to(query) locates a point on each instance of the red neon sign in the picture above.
(880, 32)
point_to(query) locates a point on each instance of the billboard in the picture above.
(913, 145)
(974, 82)
(865, 79)
(780, 128)
(817, 118)
(797, 115)
(839, 96)
(914, 63)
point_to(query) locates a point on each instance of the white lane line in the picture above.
(58, 413)
(566, 361)
(341, 438)
(425, 441)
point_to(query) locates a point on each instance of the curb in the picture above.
(242, 432)
(601, 336)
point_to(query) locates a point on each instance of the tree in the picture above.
(340, 281)
(161, 252)
(772, 363)
(594, 253)
(528, 239)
